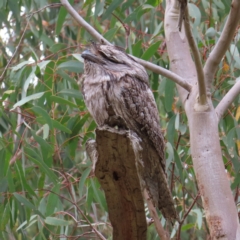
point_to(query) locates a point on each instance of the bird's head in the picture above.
(112, 61)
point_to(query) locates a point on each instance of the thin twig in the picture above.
(20, 41)
(15, 52)
(185, 189)
(197, 60)
(53, 5)
(166, 73)
(159, 228)
(178, 141)
(80, 211)
(19, 153)
(126, 27)
(157, 69)
(83, 23)
(227, 100)
(185, 215)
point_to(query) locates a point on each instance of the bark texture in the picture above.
(125, 166)
(117, 174)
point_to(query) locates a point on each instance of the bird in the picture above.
(117, 93)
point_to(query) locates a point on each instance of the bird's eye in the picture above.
(109, 57)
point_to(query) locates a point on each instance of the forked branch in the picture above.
(223, 43)
(157, 69)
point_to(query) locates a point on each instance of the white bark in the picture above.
(219, 205)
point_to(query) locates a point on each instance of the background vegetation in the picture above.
(47, 188)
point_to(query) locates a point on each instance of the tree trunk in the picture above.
(218, 202)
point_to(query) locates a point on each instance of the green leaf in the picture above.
(154, 3)
(71, 93)
(211, 32)
(170, 152)
(46, 148)
(3, 162)
(22, 177)
(24, 201)
(109, 35)
(236, 181)
(28, 80)
(2, 4)
(43, 64)
(187, 226)
(83, 178)
(195, 13)
(5, 215)
(98, 194)
(11, 185)
(57, 47)
(41, 112)
(199, 214)
(157, 30)
(137, 48)
(99, 7)
(127, 4)
(78, 124)
(49, 74)
(62, 101)
(56, 221)
(31, 220)
(61, 127)
(144, 9)
(179, 164)
(177, 121)
(27, 99)
(78, 57)
(14, 8)
(131, 17)
(53, 199)
(219, 4)
(46, 39)
(20, 65)
(3, 185)
(34, 157)
(41, 182)
(66, 77)
(71, 66)
(114, 4)
(171, 130)
(151, 51)
(45, 131)
(169, 95)
(61, 17)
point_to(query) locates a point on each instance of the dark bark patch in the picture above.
(215, 223)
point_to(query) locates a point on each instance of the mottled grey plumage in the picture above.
(116, 92)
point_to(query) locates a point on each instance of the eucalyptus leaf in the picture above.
(27, 99)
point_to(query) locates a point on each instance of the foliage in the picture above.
(46, 184)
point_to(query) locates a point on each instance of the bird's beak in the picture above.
(86, 54)
(90, 56)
